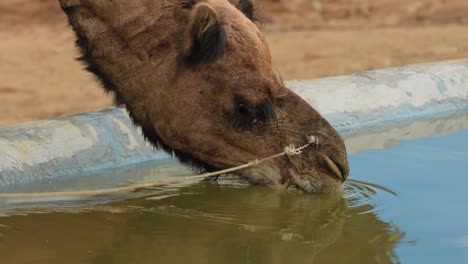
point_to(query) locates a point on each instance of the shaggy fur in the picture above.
(196, 75)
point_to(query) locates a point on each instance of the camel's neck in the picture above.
(128, 45)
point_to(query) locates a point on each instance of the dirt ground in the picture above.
(39, 77)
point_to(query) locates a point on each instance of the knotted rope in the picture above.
(289, 151)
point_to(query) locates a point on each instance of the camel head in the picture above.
(197, 76)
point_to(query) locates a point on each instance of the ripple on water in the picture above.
(263, 201)
(361, 192)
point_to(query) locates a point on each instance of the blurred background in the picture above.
(40, 78)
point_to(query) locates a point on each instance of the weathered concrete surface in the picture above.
(70, 146)
(356, 105)
(385, 97)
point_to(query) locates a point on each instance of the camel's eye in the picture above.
(245, 110)
(246, 114)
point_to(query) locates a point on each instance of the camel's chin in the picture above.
(270, 175)
(318, 183)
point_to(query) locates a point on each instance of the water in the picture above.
(407, 204)
(430, 177)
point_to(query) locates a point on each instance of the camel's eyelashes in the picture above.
(246, 115)
(207, 37)
(267, 111)
(250, 115)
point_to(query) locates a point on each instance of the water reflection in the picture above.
(387, 137)
(208, 223)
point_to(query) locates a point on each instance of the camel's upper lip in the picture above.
(335, 168)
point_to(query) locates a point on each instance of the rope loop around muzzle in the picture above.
(289, 151)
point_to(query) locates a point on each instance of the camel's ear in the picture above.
(247, 7)
(208, 38)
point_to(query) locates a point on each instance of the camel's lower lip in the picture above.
(327, 183)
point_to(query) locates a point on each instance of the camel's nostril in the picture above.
(335, 168)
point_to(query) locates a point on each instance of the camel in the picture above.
(197, 77)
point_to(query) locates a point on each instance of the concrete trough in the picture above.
(357, 105)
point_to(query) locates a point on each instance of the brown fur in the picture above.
(197, 76)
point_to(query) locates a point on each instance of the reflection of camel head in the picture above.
(213, 224)
(207, 223)
(197, 76)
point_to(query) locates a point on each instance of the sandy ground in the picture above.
(39, 77)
